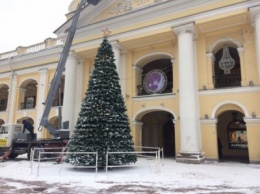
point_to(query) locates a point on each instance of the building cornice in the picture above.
(145, 15)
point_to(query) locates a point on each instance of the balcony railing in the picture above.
(227, 80)
(142, 92)
(48, 43)
(28, 105)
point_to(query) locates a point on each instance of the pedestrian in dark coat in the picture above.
(27, 125)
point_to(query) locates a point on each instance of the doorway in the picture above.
(159, 131)
(232, 137)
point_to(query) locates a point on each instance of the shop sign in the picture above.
(238, 139)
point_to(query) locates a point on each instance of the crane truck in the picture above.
(13, 141)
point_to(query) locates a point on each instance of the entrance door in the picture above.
(232, 137)
(158, 131)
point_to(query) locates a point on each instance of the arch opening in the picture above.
(158, 130)
(28, 94)
(232, 137)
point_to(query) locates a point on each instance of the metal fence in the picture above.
(152, 157)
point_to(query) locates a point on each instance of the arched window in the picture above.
(157, 77)
(3, 97)
(28, 94)
(227, 68)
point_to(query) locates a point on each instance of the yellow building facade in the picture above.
(189, 73)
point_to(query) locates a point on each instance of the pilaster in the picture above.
(137, 85)
(210, 70)
(41, 97)
(255, 17)
(11, 99)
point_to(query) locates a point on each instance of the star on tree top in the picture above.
(106, 32)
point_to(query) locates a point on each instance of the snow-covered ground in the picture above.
(16, 176)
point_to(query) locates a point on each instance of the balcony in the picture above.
(221, 81)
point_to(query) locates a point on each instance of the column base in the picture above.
(190, 158)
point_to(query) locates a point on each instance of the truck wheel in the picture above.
(12, 156)
(36, 153)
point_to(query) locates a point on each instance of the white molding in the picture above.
(147, 13)
(29, 70)
(154, 97)
(252, 121)
(137, 123)
(237, 90)
(151, 109)
(254, 12)
(143, 60)
(239, 104)
(211, 121)
(135, 67)
(217, 44)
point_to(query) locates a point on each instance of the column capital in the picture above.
(135, 67)
(73, 55)
(13, 76)
(21, 89)
(186, 28)
(211, 56)
(240, 50)
(116, 44)
(254, 13)
(43, 70)
(123, 52)
(173, 61)
(138, 123)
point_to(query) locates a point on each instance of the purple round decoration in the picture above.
(155, 81)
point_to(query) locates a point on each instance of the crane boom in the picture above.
(60, 68)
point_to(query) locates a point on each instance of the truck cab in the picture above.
(8, 133)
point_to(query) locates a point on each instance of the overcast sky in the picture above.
(27, 22)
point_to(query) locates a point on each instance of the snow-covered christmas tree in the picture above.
(103, 124)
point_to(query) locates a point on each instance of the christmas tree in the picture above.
(102, 124)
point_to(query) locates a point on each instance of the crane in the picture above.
(56, 81)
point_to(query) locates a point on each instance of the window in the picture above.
(227, 68)
(157, 77)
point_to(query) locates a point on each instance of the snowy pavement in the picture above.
(210, 177)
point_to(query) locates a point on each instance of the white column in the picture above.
(11, 99)
(40, 98)
(137, 85)
(122, 72)
(255, 17)
(79, 89)
(188, 97)
(120, 64)
(68, 110)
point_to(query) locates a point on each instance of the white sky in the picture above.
(27, 22)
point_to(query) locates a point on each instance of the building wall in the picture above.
(217, 23)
